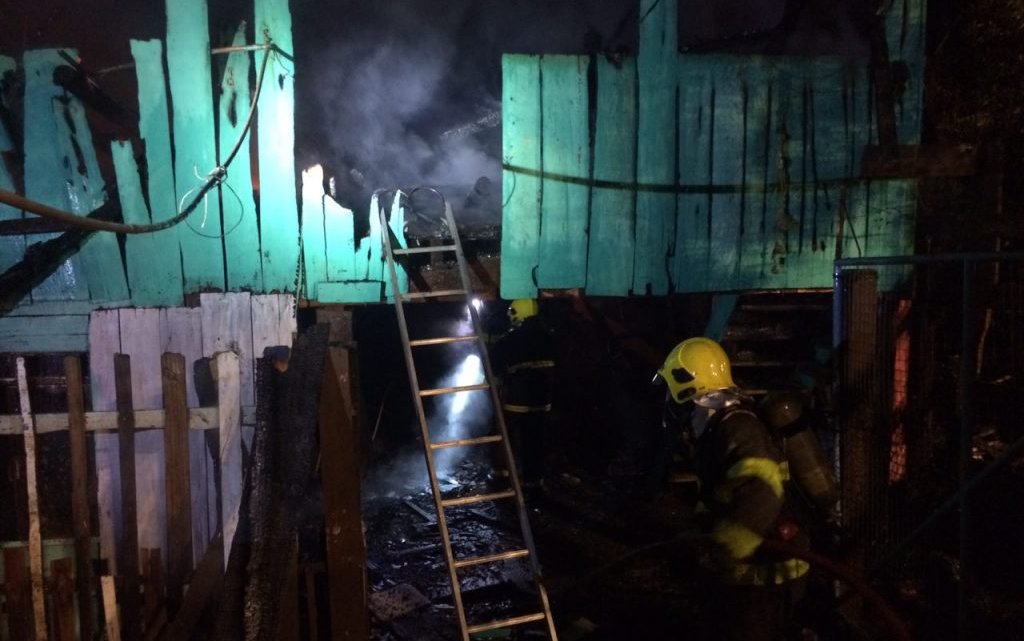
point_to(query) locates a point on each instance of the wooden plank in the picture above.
(241, 233)
(312, 610)
(314, 244)
(35, 542)
(156, 135)
(128, 548)
(565, 149)
(657, 82)
(179, 502)
(396, 223)
(110, 614)
(346, 552)
(18, 592)
(279, 221)
(273, 321)
(202, 584)
(759, 202)
(181, 332)
(613, 200)
(12, 248)
(727, 168)
(37, 334)
(914, 161)
(100, 254)
(228, 372)
(200, 418)
(369, 262)
(139, 249)
(153, 265)
(521, 149)
(692, 243)
(227, 325)
(104, 342)
(152, 588)
(140, 339)
(188, 65)
(80, 520)
(349, 292)
(63, 596)
(43, 163)
(339, 235)
(288, 613)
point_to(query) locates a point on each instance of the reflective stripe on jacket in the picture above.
(742, 483)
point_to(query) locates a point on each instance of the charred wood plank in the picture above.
(279, 483)
(919, 161)
(203, 585)
(41, 259)
(128, 550)
(346, 550)
(80, 493)
(63, 592)
(17, 592)
(179, 500)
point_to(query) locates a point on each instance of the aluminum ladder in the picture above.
(514, 493)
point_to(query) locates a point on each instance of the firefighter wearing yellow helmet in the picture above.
(742, 476)
(524, 359)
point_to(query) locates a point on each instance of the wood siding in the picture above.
(747, 168)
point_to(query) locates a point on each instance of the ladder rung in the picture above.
(451, 390)
(494, 625)
(491, 558)
(442, 341)
(423, 250)
(436, 294)
(495, 438)
(478, 498)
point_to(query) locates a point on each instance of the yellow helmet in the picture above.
(521, 309)
(694, 367)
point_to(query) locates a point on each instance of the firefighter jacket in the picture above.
(742, 485)
(524, 359)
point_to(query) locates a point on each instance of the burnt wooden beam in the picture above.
(128, 547)
(920, 161)
(881, 80)
(41, 259)
(346, 550)
(203, 587)
(179, 517)
(80, 493)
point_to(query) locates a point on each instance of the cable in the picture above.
(214, 178)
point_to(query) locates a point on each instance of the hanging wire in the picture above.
(213, 179)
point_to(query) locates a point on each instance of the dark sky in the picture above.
(397, 92)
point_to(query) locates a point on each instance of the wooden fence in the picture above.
(168, 452)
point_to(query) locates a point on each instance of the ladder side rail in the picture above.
(524, 522)
(435, 486)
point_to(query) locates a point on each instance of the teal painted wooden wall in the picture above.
(284, 244)
(710, 172)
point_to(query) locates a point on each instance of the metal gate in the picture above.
(928, 395)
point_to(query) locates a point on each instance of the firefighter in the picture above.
(524, 360)
(742, 493)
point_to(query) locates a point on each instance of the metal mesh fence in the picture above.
(928, 396)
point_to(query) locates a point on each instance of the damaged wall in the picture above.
(709, 172)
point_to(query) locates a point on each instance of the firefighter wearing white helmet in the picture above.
(741, 473)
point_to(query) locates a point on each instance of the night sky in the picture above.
(407, 93)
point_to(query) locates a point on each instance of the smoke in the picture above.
(450, 417)
(406, 94)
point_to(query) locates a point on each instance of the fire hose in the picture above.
(897, 628)
(892, 621)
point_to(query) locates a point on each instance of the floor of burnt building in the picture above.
(605, 551)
